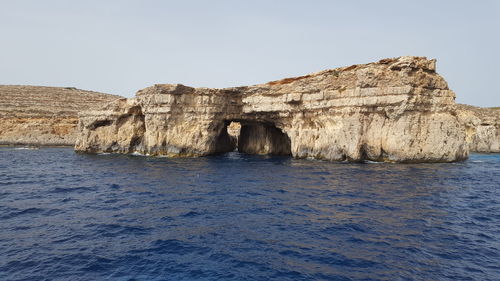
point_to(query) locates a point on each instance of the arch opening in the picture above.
(261, 138)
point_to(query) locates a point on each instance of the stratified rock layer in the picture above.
(396, 110)
(486, 124)
(35, 115)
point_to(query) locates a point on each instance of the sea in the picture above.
(70, 216)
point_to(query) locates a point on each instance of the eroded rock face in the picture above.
(396, 110)
(35, 115)
(486, 123)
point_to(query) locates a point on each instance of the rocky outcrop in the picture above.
(395, 110)
(35, 115)
(486, 123)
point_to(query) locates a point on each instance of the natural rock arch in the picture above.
(396, 110)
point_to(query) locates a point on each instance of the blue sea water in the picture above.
(68, 216)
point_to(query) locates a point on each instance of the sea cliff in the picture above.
(393, 110)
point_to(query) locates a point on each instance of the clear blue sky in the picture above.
(122, 46)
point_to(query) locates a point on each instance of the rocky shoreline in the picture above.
(394, 110)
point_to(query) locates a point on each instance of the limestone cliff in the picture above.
(35, 115)
(396, 110)
(486, 123)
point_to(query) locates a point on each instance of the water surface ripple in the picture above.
(67, 216)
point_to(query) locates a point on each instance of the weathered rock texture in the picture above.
(486, 124)
(396, 110)
(35, 115)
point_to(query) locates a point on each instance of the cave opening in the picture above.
(250, 137)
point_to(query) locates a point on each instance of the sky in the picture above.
(120, 47)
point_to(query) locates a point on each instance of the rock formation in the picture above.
(395, 110)
(486, 124)
(34, 115)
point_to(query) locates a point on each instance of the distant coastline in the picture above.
(44, 116)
